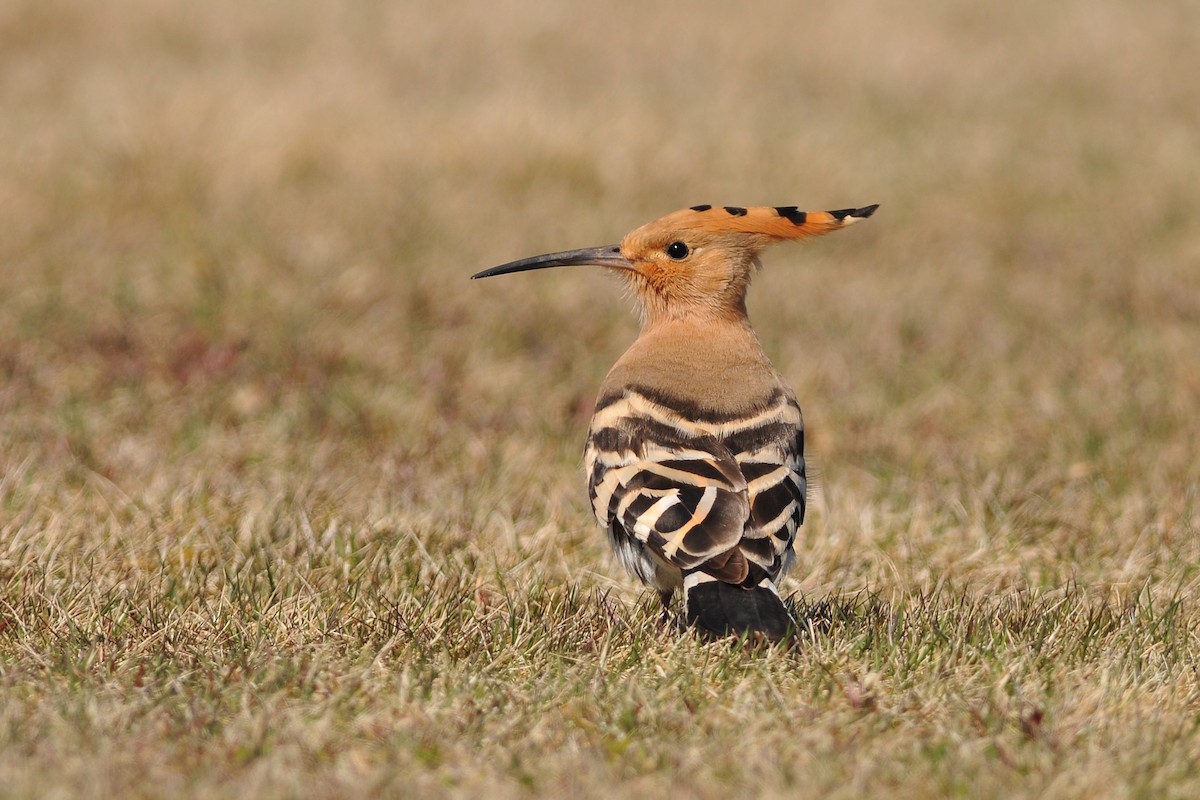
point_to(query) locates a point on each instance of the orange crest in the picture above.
(774, 222)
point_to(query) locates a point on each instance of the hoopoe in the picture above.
(695, 454)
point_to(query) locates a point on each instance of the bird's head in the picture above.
(698, 260)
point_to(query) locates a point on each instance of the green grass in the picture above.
(288, 507)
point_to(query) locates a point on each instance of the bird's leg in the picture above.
(665, 596)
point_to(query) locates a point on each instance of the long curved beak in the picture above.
(607, 256)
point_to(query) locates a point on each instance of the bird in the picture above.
(694, 458)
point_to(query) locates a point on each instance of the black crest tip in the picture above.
(854, 213)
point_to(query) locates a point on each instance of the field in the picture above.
(289, 507)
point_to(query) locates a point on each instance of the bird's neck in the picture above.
(715, 361)
(719, 324)
(710, 309)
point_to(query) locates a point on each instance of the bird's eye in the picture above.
(677, 250)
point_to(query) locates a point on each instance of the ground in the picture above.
(289, 507)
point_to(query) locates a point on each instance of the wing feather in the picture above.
(675, 497)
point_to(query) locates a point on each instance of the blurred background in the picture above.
(235, 241)
(289, 506)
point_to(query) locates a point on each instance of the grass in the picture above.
(289, 507)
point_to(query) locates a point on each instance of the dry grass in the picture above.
(288, 507)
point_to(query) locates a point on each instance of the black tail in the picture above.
(722, 609)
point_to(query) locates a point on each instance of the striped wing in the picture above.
(777, 487)
(723, 496)
(686, 504)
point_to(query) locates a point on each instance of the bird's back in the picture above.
(695, 466)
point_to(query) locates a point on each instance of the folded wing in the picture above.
(685, 502)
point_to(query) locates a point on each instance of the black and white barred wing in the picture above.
(682, 504)
(777, 487)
